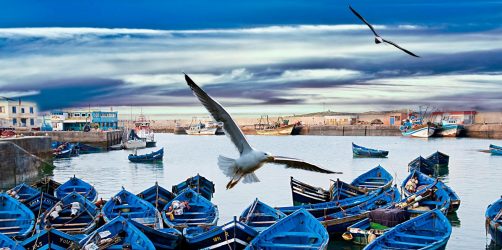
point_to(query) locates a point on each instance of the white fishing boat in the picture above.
(449, 128)
(143, 130)
(134, 141)
(135, 144)
(205, 128)
(422, 132)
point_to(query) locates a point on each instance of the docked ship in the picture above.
(280, 127)
(415, 127)
(205, 128)
(144, 132)
(449, 128)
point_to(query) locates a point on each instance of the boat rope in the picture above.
(39, 211)
(251, 210)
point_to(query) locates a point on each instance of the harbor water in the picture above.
(475, 176)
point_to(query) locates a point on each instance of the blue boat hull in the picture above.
(494, 224)
(16, 220)
(338, 222)
(157, 196)
(233, 235)
(429, 231)
(132, 207)
(151, 157)
(299, 230)
(260, 216)
(201, 212)
(9, 243)
(119, 228)
(82, 223)
(75, 184)
(426, 180)
(439, 159)
(197, 183)
(163, 239)
(359, 151)
(52, 239)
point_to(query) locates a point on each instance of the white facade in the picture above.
(18, 114)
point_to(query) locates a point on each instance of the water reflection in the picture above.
(454, 220)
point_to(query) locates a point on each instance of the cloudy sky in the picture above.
(255, 56)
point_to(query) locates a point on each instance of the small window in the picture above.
(14, 110)
(31, 110)
(32, 122)
(22, 110)
(2, 109)
(14, 121)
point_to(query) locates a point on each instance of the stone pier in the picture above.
(103, 139)
(24, 159)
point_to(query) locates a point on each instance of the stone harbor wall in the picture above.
(24, 159)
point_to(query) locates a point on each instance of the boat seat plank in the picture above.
(10, 228)
(404, 243)
(413, 236)
(283, 245)
(262, 222)
(295, 234)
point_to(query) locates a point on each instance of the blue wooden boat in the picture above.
(51, 239)
(79, 186)
(198, 183)
(157, 196)
(494, 221)
(64, 150)
(359, 151)
(375, 178)
(16, 220)
(233, 235)
(163, 238)
(495, 150)
(377, 223)
(47, 185)
(431, 230)
(201, 212)
(260, 216)
(299, 230)
(304, 193)
(339, 221)
(83, 221)
(87, 149)
(427, 167)
(325, 208)
(130, 206)
(439, 159)
(115, 234)
(9, 243)
(422, 131)
(37, 201)
(424, 180)
(155, 156)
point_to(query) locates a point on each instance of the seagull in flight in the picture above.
(250, 159)
(378, 38)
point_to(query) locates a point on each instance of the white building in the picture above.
(18, 114)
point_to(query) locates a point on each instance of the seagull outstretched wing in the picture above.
(397, 46)
(364, 20)
(300, 164)
(221, 115)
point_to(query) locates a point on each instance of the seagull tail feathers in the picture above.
(250, 178)
(227, 165)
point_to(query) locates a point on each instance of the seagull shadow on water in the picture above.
(250, 159)
(378, 38)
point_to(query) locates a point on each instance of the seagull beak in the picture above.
(270, 158)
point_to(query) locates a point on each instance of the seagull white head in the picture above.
(250, 159)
